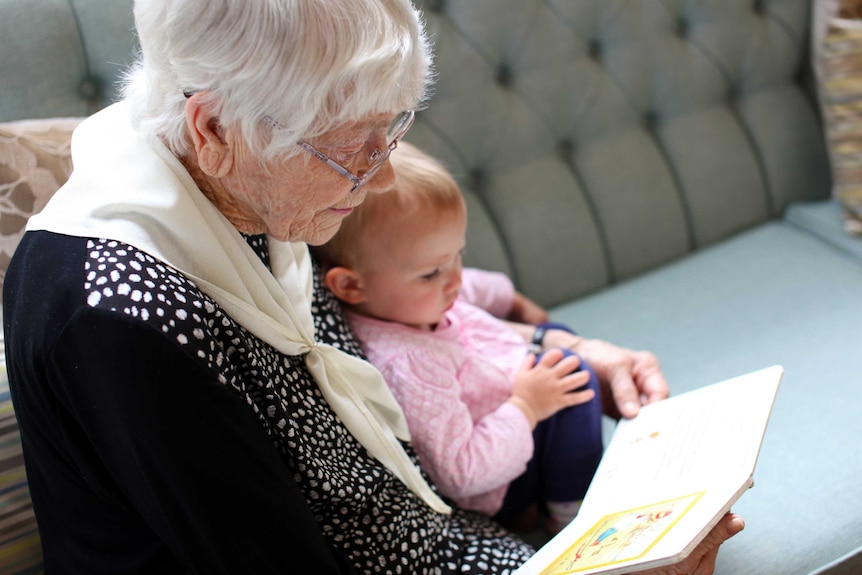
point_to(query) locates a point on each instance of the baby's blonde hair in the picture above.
(422, 183)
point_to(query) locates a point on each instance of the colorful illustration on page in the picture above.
(622, 536)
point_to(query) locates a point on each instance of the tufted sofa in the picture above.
(652, 171)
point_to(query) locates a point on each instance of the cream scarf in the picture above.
(128, 188)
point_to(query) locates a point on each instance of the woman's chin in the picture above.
(321, 234)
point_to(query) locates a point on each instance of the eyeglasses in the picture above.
(376, 158)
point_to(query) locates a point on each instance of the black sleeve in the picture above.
(184, 451)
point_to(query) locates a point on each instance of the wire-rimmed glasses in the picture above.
(376, 158)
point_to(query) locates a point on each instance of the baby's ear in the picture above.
(345, 284)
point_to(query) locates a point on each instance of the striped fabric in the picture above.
(20, 549)
(841, 70)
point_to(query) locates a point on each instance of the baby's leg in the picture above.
(569, 447)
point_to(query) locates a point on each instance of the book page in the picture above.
(686, 441)
(623, 536)
(666, 477)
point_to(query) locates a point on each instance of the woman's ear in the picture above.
(214, 153)
(345, 284)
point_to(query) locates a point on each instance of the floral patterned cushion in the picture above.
(35, 161)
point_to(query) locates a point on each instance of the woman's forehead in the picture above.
(362, 127)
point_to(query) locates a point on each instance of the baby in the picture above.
(499, 430)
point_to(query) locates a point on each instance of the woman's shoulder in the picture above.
(114, 279)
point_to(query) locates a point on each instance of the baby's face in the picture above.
(416, 273)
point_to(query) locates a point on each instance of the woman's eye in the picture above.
(345, 155)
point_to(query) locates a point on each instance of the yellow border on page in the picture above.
(622, 536)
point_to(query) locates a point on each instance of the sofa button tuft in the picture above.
(650, 121)
(476, 179)
(565, 149)
(435, 6)
(504, 75)
(595, 49)
(89, 89)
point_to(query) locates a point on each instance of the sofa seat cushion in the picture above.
(773, 295)
(823, 219)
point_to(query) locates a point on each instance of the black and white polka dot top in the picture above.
(367, 516)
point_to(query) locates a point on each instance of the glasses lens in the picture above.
(396, 131)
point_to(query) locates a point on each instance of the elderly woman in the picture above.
(189, 398)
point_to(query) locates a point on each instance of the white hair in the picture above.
(309, 65)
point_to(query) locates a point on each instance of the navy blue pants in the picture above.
(568, 448)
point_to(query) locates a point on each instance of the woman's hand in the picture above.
(701, 561)
(544, 387)
(628, 378)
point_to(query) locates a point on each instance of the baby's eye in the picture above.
(432, 275)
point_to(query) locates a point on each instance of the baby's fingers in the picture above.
(550, 358)
(575, 380)
(528, 362)
(578, 397)
(567, 365)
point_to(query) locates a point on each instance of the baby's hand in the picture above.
(543, 388)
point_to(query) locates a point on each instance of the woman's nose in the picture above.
(381, 181)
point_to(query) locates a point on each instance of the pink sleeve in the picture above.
(491, 291)
(463, 459)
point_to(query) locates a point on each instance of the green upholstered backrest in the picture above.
(62, 57)
(594, 139)
(598, 139)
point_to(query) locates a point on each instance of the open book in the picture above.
(666, 478)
